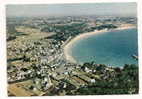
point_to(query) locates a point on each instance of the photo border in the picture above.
(3, 51)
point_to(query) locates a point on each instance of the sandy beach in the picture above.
(85, 35)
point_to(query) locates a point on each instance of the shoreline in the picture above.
(68, 45)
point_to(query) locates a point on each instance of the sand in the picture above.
(85, 35)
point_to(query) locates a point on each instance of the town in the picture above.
(36, 65)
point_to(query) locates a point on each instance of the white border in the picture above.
(3, 79)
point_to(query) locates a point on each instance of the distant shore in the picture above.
(125, 27)
(67, 47)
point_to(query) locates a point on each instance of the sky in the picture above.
(121, 9)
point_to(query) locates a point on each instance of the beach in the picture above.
(68, 45)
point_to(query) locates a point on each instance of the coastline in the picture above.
(68, 45)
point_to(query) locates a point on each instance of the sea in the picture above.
(113, 48)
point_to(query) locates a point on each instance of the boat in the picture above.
(135, 56)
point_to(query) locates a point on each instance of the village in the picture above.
(36, 63)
